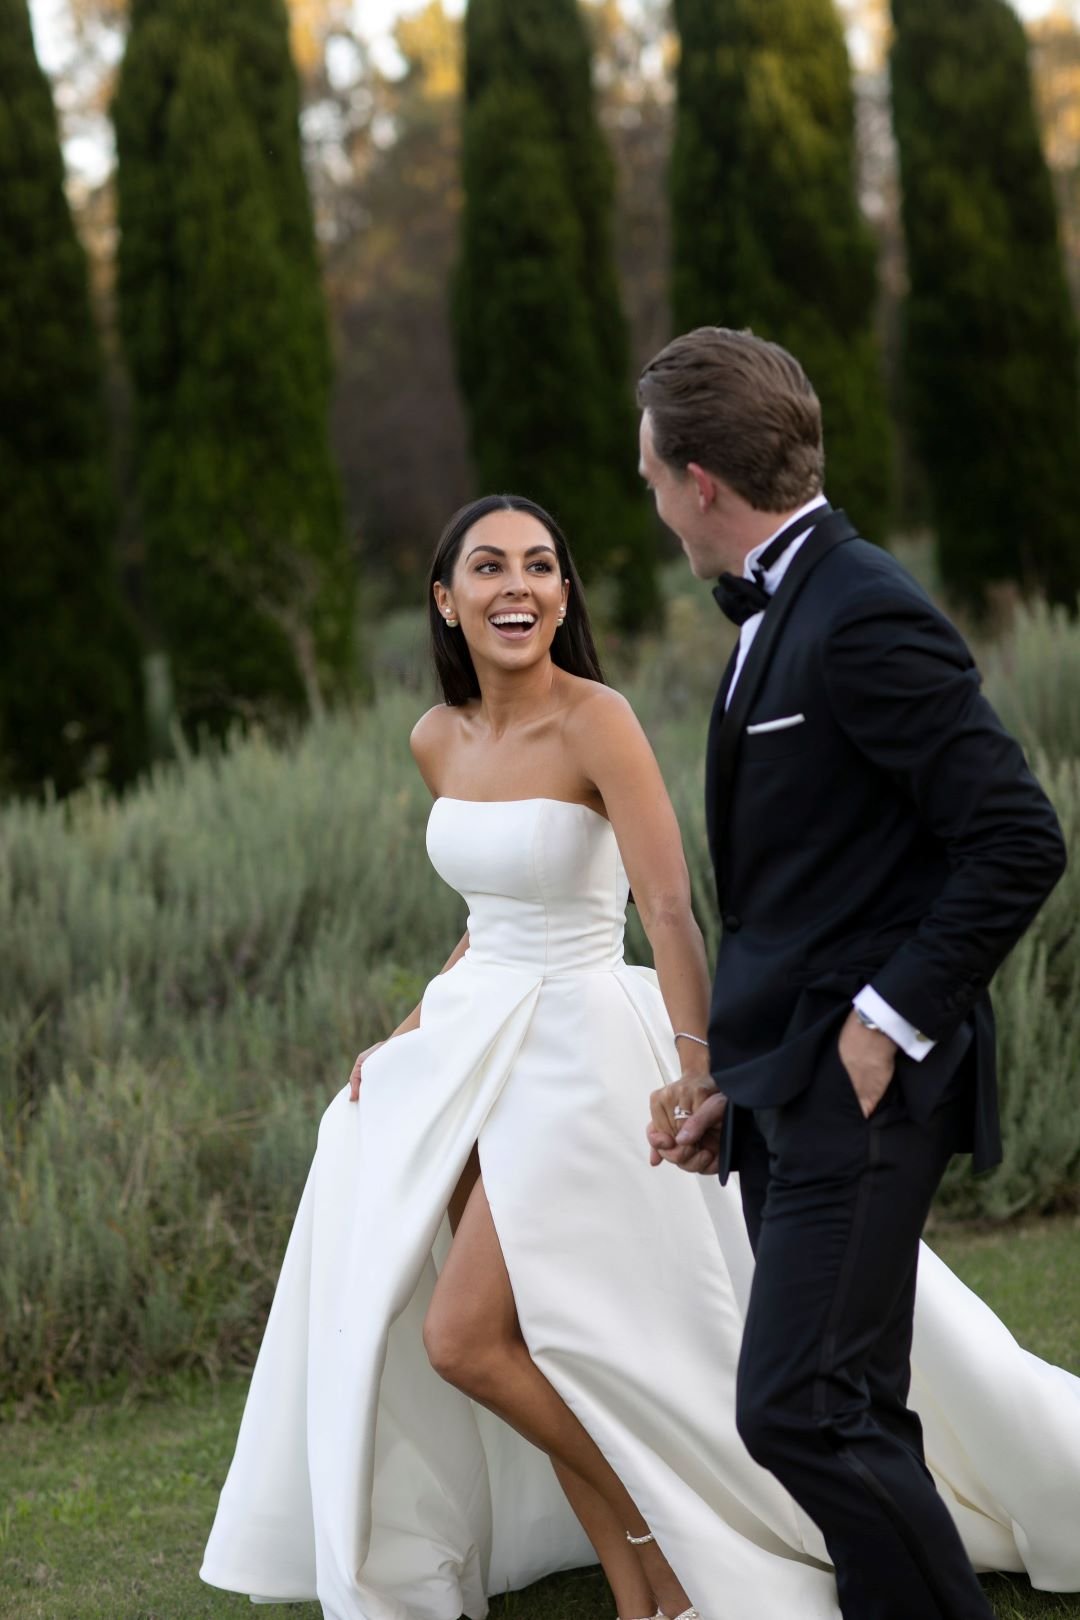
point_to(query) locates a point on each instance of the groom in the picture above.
(879, 846)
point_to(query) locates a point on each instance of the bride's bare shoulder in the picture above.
(431, 737)
(434, 724)
(590, 704)
(605, 736)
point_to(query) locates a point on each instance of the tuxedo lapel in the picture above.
(726, 727)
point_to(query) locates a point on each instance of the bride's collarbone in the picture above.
(500, 776)
(532, 761)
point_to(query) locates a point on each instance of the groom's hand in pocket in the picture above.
(690, 1140)
(869, 1056)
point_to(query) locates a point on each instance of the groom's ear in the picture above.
(706, 484)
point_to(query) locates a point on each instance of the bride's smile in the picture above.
(507, 596)
(514, 626)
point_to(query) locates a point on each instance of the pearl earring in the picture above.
(560, 622)
(451, 624)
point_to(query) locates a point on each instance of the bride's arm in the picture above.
(615, 756)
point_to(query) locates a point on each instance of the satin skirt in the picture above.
(362, 1480)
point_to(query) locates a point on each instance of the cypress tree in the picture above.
(225, 329)
(542, 344)
(990, 337)
(70, 679)
(766, 228)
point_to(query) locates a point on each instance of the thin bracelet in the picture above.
(685, 1035)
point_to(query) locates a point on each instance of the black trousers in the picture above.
(835, 1205)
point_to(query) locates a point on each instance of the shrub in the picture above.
(1033, 680)
(766, 226)
(1037, 1001)
(221, 305)
(189, 973)
(542, 343)
(990, 346)
(71, 704)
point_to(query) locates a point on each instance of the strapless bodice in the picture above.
(543, 880)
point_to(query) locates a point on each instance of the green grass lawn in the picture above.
(104, 1513)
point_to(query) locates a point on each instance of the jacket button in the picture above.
(732, 923)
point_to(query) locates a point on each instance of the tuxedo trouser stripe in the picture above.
(827, 1359)
(826, 1364)
(891, 1510)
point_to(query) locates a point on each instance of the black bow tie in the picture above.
(741, 598)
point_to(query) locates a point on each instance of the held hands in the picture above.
(692, 1143)
(355, 1077)
(869, 1056)
(692, 1140)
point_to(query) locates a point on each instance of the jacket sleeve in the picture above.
(904, 689)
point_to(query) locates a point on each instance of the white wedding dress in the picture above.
(360, 1478)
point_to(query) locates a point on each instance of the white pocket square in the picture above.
(776, 725)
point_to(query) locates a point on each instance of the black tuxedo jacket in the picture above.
(890, 833)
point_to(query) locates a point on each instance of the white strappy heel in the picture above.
(643, 1541)
(687, 1614)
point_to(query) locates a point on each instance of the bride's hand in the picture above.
(693, 1103)
(357, 1069)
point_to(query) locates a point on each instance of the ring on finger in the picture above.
(680, 1113)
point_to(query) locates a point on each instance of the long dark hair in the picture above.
(573, 648)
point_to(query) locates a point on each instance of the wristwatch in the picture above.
(866, 1021)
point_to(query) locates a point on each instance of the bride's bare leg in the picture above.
(631, 1588)
(459, 1198)
(474, 1341)
(598, 1519)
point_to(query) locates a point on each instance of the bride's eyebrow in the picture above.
(497, 551)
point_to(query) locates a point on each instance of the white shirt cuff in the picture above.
(898, 1029)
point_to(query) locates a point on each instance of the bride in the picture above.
(488, 1294)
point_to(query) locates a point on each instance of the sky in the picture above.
(87, 155)
(373, 19)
